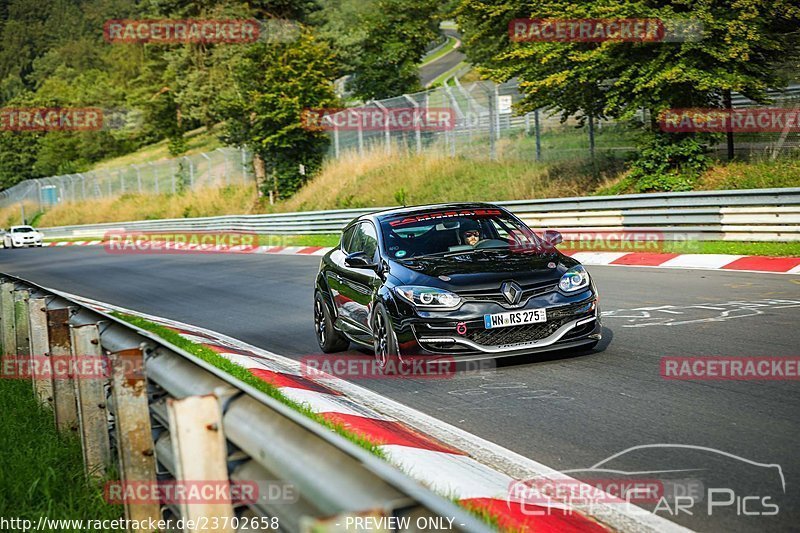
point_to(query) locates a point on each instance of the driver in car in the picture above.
(470, 233)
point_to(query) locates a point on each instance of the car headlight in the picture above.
(573, 279)
(430, 297)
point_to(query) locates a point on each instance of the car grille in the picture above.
(476, 332)
(514, 335)
(528, 291)
(556, 318)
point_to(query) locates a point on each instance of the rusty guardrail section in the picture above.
(165, 416)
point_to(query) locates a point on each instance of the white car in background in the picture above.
(19, 236)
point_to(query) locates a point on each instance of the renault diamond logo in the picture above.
(511, 291)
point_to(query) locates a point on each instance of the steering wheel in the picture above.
(490, 243)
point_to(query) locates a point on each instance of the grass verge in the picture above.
(197, 141)
(245, 376)
(41, 471)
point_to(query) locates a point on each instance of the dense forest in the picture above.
(54, 54)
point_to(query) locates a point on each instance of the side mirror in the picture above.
(552, 237)
(359, 260)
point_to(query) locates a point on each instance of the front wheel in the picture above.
(387, 354)
(330, 340)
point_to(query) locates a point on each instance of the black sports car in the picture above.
(469, 281)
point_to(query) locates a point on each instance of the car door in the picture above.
(333, 273)
(359, 284)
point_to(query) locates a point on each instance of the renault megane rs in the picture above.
(469, 281)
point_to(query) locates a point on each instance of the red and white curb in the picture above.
(743, 263)
(450, 461)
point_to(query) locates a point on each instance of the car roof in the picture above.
(386, 213)
(22, 226)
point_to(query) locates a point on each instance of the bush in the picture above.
(669, 164)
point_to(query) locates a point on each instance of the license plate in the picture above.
(514, 318)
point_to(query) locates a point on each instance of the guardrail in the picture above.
(739, 215)
(178, 418)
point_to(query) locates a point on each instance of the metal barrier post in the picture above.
(135, 446)
(37, 317)
(244, 166)
(138, 177)
(492, 113)
(21, 325)
(386, 133)
(195, 425)
(417, 125)
(155, 176)
(91, 399)
(7, 307)
(360, 135)
(64, 401)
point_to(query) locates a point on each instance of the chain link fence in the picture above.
(487, 126)
(483, 125)
(223, 166)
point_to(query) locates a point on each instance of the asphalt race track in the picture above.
(568, 411)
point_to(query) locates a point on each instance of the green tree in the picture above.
(263, 106)
(396, 35)
(742, 46)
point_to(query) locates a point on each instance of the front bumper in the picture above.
(20, 243)
(572, 320)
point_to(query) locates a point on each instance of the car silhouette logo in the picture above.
(511, 291)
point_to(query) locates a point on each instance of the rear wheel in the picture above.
(329, 338)
(387, 354)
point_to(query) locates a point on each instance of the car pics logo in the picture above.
(669, 495)
(206, 242)
(379, 119)
(444, 214)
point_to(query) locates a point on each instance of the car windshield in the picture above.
(23, 230)
(454, 231)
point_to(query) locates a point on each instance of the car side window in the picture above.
(346, 243)
(365, 239)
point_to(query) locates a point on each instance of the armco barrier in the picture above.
(739, 215)
(180, 418)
